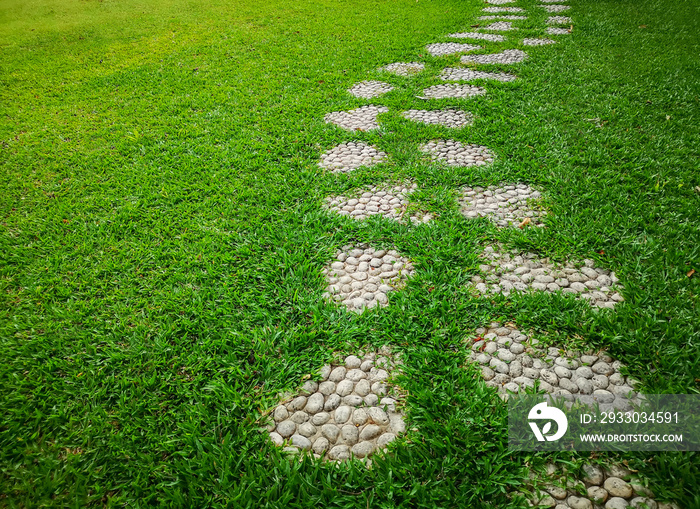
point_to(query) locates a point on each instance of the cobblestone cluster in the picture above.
(557, 31)
(360, 119)
(370, 89)
(455, 153)
(351, 412)
(462, 74)
(509, 56)
(537, 42)
(350, 156)
(558, 20)
(362, 276)
(500, 26)
(450, 48)
(452, 91)
(403, 68)
(478, 35)
(511, 272)
(555, 8)
(389, 202)
(503, 9)
(447, 118)
(505, 205)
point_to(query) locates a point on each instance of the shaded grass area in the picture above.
(163, 240)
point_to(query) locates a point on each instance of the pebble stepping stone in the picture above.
(349, 156)
(370, 89)
(500, 26)
(537, 42)
(557, 31)
(361, 276)
(510, 362)
(500, 2)
(450, 48)
(403, 68)
(553, 1)
(509, 56)
(558, 20)
(455, 153)
(351, 412)
(503, 9)
(461, 74)
(505, 205)
(360, 119)
(502, 16)
(389, 202)
(512, 272)
(477, 35)
(555, 8)
(448, 118)
(452, 91)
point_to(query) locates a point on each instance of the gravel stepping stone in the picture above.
(500, 26)
(512, 272)
(403, 68)
(360, 119)
(349, 156)
(389, 202)
(558, 31)
(452, 91)
(537, 42)
(555, 8)
(503, 9)
(447, 118)
(364, 421)
(558, 20)
(461, 74)
(450, 48)
(505, 205)
(502, 16)
(361, 276)
(455, 153)
(477, 35)
(370, 89)
(509, 56)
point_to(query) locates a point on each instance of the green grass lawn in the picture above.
(163, 239)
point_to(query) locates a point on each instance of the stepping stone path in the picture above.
(447, 118)
(558, 31)
(389, 202)
(362, 276)
(506, 205)
(350, 156)
(555, 8)
(351, 412)
(510, 362)
(370, 89)
(514, 18)
(509, 56)
(461, 74)
(500, 26)
(503, 9)
(403, 68)
(360, 119)
(558, 20)
(537, 42)
(452, 91)
(454, 153)
(477, 35)
(612, 487)
(513, 272)
(450, 48)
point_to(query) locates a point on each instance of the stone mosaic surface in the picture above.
(370, 89)
(509, 56)
(448, 118)
(511, 361)
(537, 42)
(449, 48)
(500, 26)
(512, 272)
(502, 16)
(351, 412)
(403, 68)
(461, 74)
(350, 156)
(452, 91)
(503, 9)
(477, 35)
(359, 119)
(455, 153)
(557, 31)
(505, 205)
(612, 487)
(389, 202)
(361, 277)
(555, 8)
(558, 20)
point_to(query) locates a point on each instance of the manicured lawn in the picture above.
(163, 239)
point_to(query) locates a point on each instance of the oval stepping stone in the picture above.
(505, 205)
(455, 153)
(370, 89)
(555, 8)
(461, 74)
(450, 48)
(447, 118)
(558, 31)
(502, 16)
(403, 68)
(509, 56)
(389, 202)
(350, 156)
(558, 20)
(478, 35)
(537, 42)
(500, 26)
(360, 119)
(452, 91)
(503, 9)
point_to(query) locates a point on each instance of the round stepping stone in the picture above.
(503, 9)
(502, 16)
(477, 35)
(447, 118)
(360, 119)
(537, 42)
(403, 68)
(499, 2)
(555, 8)
(500, 26)
(509, 56)
(349, 156)
(452, 91)
(455, 153)
(389, 202)
(558, 20)
(558, 31)
(361, 276)
(462, 74)
(449, 48)
(505, 205)
(370, 89)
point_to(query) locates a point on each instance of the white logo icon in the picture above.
(542, 412)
